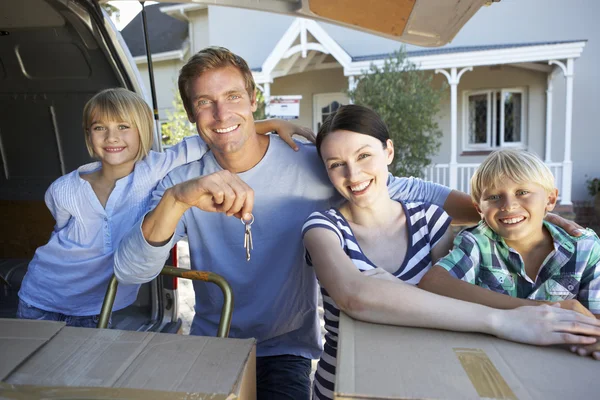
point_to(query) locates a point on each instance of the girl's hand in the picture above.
(285, 130)
(380, 273)
(545, 325)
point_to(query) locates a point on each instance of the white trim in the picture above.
(510, 55)
(165, 56)
(178, 10)
(491, 132)
(524, 114)
(466, 146)
(286, 48)
(340, 97)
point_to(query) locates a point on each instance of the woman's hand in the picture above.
(285, 130)
(570, 227)
(380, 273)
(545, 325)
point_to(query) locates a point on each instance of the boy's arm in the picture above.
(440, 281)
(285, 130)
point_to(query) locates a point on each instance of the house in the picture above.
(519, 74)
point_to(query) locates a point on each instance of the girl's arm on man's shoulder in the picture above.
(285, 130)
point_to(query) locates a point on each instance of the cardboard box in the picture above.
(388, 362)
(47, 359)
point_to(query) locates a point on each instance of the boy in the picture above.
(513, 252)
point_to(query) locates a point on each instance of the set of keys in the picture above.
(248, 236)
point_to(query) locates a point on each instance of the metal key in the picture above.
(248, 236)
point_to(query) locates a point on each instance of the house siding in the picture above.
(308, 84)
(255, 34)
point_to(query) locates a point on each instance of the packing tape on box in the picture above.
(484, 376)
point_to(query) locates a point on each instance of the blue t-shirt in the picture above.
(275, 295)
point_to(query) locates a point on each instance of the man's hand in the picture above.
(222, 191)
(576, 306)
(380, 273)
(570, 227)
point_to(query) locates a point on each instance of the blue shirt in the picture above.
(275, 294)
(70, 274)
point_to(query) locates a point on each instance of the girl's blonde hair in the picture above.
(121, 105)
(518, 165)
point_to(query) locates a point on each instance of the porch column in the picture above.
(567, 162)
(549, 87)
(351, 86)
(453, 78)
(267, 93)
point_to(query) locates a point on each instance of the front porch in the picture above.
(440, 173)
(488, 110)
(496, 118)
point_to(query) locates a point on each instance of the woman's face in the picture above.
(357, 165)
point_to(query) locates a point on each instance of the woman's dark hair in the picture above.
(355, 118)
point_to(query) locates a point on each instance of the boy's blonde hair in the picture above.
(517, 165)
(120, 105)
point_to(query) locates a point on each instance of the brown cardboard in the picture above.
(80, 362)
(388, 362)
(19, 339)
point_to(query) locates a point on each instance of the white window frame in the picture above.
(492, 115)
(322, 99)
(521, 143)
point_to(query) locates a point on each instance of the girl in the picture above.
(366, 251)
(98, 203)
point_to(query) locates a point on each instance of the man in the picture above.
(275, 293)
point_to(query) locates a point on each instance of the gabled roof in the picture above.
(166, 34)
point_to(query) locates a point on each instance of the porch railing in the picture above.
(440, 173)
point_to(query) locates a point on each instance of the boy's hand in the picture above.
(571, 227)
(574, 305)
(380, 273)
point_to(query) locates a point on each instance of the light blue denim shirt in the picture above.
(70, 273)
(275, 293)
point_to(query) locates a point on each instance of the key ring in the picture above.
(247, 223)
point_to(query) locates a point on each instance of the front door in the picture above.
(325, 104)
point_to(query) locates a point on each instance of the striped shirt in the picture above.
(70, 274)
(426, 224)
(571, 271)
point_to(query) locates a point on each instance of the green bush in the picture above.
(408, 103)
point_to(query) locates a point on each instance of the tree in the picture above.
(178, 125)
(111, 10)
(405, 99)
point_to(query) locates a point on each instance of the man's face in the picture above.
(222, 110)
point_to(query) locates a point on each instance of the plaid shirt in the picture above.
(572, 271)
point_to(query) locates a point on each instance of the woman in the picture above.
(369, 252)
